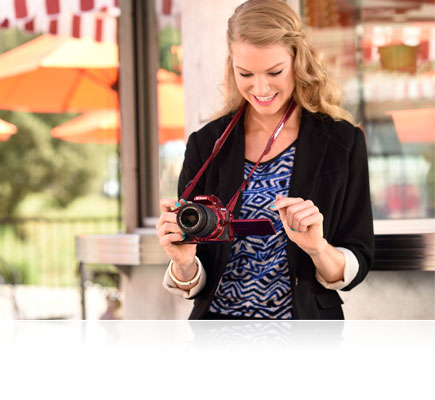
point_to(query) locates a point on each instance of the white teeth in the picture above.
(264, 99)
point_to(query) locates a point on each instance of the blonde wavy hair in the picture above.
(270, 22)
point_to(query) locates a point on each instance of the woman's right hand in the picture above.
(168, 232)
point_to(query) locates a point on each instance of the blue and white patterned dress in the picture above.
(256, 280)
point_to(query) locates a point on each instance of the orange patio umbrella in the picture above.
(414, 125)
(170, 93)
(6, 130)
(59, 74)
(104, 126)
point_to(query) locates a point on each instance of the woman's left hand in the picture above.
(302, 222)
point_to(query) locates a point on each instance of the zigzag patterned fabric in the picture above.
(256, 280)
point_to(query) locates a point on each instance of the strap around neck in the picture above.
(217, 146)
(220, 142)
(233, 201)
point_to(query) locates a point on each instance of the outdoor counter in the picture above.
(122, 250)
(130, 253)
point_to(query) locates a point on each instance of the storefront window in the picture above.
(383, 56)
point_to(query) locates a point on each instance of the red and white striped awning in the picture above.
(75, 18)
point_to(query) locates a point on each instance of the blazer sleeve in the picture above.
(355, 228)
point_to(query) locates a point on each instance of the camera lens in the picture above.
(190, 218)
(196, 219)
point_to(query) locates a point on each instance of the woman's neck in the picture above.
(256, 122)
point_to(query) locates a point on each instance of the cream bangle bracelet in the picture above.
(192, 281)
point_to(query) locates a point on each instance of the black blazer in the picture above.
(330, 168)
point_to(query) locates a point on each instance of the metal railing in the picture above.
(40, 253)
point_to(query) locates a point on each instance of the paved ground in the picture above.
(35, 302)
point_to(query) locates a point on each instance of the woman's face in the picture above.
(264, 76)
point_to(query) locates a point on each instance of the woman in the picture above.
(313, 184)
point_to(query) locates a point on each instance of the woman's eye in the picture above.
(245, 75)
(275, 73)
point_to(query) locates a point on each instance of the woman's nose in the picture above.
(261, 85)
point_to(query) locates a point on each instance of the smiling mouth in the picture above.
(266, 99)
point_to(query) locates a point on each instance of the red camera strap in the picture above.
(217, 146)
(232, 203)
(220, 142)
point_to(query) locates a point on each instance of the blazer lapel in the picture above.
(311, 148)
(231, 165)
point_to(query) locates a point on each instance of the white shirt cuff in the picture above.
(351, 267)
(170, 285)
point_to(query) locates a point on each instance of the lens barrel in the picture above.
(197, 220)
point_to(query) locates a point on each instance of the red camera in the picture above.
(207, 220)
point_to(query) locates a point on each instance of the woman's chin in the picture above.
(270, 109)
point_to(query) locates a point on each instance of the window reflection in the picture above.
(170, 94)
(383, 56)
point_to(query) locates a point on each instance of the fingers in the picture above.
(296, 202)
(169, 238)
(297, 213)
(170, 204)
(311, 220)
(168, 227)
(282, 202)
(166, 217)
(169, 231)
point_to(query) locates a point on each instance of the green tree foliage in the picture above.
(31, 161)
(168, 37)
